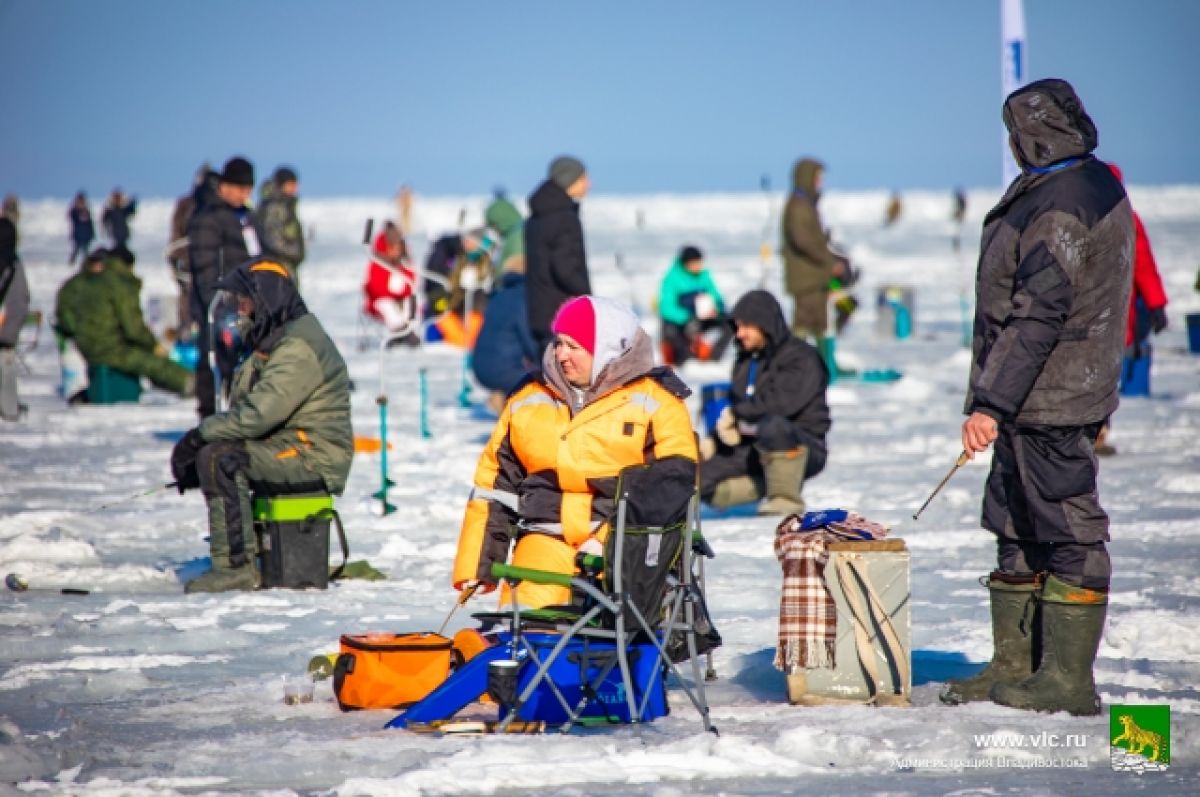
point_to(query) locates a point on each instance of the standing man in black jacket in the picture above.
(221, 236)
(771, 437)
(1051, 302)
(555, 260)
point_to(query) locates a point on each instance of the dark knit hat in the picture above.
(285, 174)
(565, 170)
(121, 252)
(238, 171)
(689, 253)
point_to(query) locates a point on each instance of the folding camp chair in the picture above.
(603, 658)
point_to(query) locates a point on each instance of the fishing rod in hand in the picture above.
(462, 599)
(958, 463)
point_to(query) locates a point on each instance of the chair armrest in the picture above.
(590, 563)
(514, 573)
(701, 546)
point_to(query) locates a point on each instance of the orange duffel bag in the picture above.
(383, 670)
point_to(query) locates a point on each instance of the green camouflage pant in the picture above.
(163, 372)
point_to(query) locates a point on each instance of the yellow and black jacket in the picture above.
(548, 475)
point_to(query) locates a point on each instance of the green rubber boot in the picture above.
(224, 579)
(1072, 622)
(784, 471)
(224, 576)
(827, 346)
(1014, 656)
(738, 490)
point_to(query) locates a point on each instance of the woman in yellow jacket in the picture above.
(548, 475)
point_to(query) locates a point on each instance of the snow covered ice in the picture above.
(137, 689)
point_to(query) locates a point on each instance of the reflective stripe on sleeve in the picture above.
(499, 496)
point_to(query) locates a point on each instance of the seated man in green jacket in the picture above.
(287, 428)
(73, 295)
(105, 320)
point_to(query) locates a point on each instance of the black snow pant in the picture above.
(1042, 504)
(230, 469)
(775, 433)
(678, 339)
(206, 397)
(222, 469)
(79, 248)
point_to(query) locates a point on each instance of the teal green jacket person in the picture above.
(503, 217)
(677, 297)
(691, 306)
(109, 328)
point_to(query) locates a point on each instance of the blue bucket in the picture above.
(1193, 330)
(714, 397)
(186, 353)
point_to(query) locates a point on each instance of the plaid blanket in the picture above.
(807, 613)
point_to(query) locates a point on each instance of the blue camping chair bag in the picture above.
(579, 664)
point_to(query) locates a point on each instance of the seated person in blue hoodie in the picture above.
(505, 350)
(690, 305)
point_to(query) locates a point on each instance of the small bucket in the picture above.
(894, 311)
(714, 398)
(1193, 332)
(293, 540)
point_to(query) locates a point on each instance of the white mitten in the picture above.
(592, 546)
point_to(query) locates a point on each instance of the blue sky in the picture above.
(457, 97)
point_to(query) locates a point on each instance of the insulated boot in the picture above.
(1072, 622)
(734, 491)
(784, 471)
(224, 576)
(826, 345)
(1014, 656)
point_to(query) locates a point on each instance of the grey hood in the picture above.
(1047, 123)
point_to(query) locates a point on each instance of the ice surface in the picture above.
(137, 689)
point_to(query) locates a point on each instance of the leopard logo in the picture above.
(1137, 739)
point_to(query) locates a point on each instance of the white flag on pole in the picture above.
(1012, 70)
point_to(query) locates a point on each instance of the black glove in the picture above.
(1158, 319)
(183, 461)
